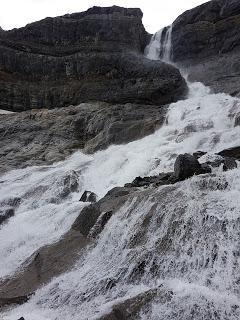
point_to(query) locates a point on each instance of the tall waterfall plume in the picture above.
(160, 45)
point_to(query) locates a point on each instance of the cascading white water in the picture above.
(167, 45)
(186, 234)
(160, 45)
(152, 51)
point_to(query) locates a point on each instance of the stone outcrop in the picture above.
(44, 136)
(233, 152)
(90, 56)
(206, 41)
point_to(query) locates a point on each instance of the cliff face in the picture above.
(93, 55)
(210, 29)
(206, 41)
(110, 29)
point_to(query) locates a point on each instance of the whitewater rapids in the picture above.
(200, 265)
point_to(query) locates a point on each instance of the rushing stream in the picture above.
(190, 246)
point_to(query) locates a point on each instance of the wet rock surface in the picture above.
(42, 266)
(13, 300)
(95, 55)
(5, 214)
(88, 196)
(40, 137)
(186, 166)
(231, 152)
(131, 307)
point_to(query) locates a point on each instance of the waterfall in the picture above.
(180, 242)
(167, 45)
(160, 45)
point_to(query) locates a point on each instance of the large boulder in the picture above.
(206, 41)
(90, 56)
(186, 166)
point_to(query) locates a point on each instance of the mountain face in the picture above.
(124, 206)
(206, 41)
(89, 56)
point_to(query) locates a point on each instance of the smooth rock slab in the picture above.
(40, 137)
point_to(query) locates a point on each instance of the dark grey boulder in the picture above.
(86, 219)
(161, 179)
(13, 300)
(6, 214)
(186, 166)
(233, 152)
(88, 196)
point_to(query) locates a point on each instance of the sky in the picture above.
(157, 13)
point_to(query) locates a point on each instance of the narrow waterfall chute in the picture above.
(160, 45)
